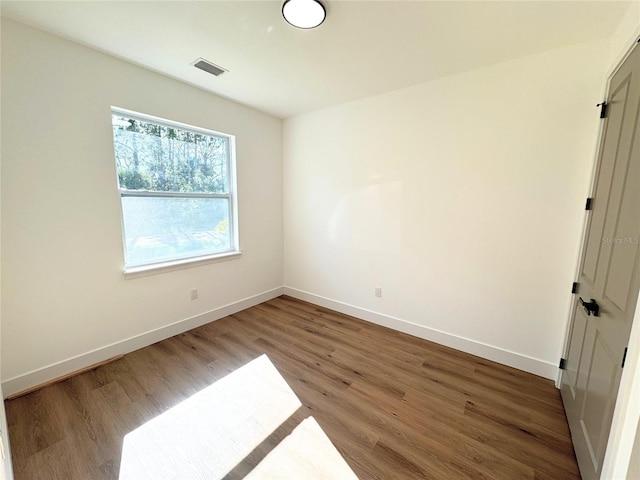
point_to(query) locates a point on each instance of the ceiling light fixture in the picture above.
(304, 13)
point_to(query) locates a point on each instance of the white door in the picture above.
(609, 276)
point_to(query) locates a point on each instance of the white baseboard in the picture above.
(37, 377)
(42, 375)
(490, 352)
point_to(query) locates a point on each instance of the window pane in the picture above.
(164, 159)
(160, 229)
(170, 162)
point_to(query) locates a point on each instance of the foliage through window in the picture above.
(176, 189)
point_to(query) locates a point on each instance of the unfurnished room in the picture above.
(320, 239)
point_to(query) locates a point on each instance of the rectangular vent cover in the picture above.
(208, 67)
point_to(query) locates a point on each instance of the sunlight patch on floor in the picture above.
(306, 454)
(208, 434)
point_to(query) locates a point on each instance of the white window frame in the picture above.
(188, 260)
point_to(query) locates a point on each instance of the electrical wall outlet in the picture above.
(378, 292)
(194, 294)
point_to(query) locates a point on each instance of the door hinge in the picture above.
(589, 204)
(574, 287)
(563, 364)
(624, 357)
(603, 109)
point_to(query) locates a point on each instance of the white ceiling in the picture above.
(363, 48)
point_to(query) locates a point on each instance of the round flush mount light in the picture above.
(303, 13)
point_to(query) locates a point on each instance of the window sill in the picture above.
(146, 270)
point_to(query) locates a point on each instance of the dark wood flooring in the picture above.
(395, 406)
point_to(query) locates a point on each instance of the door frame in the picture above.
(626, 416)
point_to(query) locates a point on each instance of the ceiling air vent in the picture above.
(208, 67)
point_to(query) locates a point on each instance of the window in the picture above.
(176, 188)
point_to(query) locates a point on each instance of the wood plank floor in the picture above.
(395, 406)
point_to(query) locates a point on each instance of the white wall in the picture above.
(634, 464)
(625, 35)
(462, 198)
(63, 293)
(6, 472)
